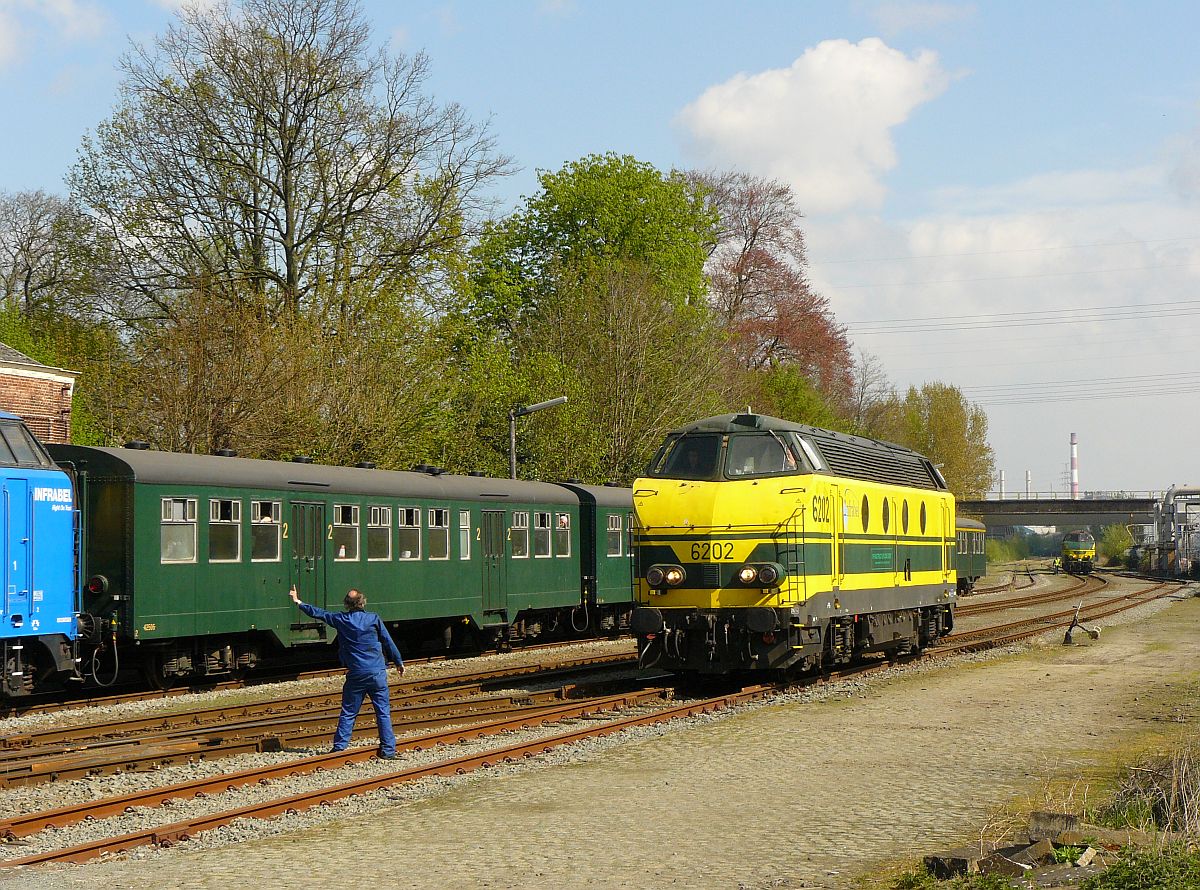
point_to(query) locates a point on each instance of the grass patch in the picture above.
(1174, 868)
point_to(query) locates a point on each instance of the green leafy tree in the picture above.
(938, 421)
(595, 211)
(1114, 542)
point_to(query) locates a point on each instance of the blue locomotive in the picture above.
(38, 615)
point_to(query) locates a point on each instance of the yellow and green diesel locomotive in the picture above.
(762, 544)
(1078, 552)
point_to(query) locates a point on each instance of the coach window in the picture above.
(224, 530)
(379, 533)
(409, 534)
(178, 536)
(439, 533)
(464, 534)
(541, 534)
(344, 532)
(562, 534)
(923, 515)
(519, 535)
(616, 535)
(264, 531)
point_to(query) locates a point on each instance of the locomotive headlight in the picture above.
(660, 576)
(97, 584)
(747, 574)
(768, 575)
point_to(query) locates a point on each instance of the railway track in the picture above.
(183, 809)
(1079, 586)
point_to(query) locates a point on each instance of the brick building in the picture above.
(41, 395)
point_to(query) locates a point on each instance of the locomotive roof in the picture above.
(854, 456)
(967, 522)
(163, 467)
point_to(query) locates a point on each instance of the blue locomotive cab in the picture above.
(38, 618)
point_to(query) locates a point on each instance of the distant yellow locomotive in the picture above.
(1078, 552)
(763, 544)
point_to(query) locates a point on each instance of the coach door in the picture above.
(307, 537)
(17, 568)
(495, 564)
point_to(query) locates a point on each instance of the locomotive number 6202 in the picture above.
(717, 550)
(822, 508)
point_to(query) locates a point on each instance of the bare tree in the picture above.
(872, 393)
(41, 236)
(264, 152)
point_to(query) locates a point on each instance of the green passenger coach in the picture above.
(188, 558)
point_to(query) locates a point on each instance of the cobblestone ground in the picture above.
(795, 795)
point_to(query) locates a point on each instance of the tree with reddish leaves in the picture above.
(758, 285)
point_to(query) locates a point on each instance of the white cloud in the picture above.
(823, 125)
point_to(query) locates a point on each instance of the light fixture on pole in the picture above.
(512, 429)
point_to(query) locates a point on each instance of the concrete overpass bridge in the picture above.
(1094, 508)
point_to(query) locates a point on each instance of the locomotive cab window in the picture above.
(409, 533)
(18, 447)
(224, 530)
(177, 540)
(265, 528)
(344, 532)
(693, 456)
(439, 533)
(760, 454)
(379, 533)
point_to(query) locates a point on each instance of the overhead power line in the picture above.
(1038, 317)
(1010, 250)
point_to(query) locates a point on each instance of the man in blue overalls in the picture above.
(362, 639)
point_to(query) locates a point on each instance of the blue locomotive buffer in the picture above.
(38, 621)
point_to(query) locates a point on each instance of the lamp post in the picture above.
(512, 429)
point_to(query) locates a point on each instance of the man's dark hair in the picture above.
(355, 601)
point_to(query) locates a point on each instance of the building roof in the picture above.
(8, 354)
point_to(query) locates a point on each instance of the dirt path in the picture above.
(797, 794)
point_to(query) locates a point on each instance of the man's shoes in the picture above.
(336, 750)
(383, 756)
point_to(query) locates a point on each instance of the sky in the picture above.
(1000, 195)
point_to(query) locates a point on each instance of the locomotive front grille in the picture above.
(710, 574)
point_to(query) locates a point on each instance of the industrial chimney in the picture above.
(1074, 467)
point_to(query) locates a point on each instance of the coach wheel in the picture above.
(152, 671)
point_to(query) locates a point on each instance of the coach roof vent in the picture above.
(137, 445)
(612, 484)
(750, 420)
(225, 452)
(420, 468)
(479, 474)
(302, 459)
(365, 465)
(435, 471)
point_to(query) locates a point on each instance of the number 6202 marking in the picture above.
(712, 550)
